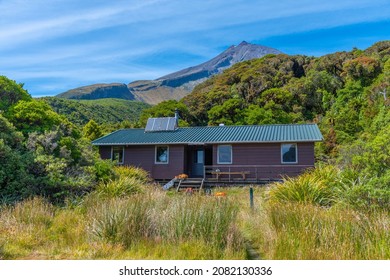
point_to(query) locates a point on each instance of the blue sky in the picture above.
(55, 45)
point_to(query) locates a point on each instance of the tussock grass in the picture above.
(132, 172)
(304, 189)
(157, 218)
(311, 232)
(314, 216)
(121, 187)
(130, 180)
(317, 187)
(148, 225)
(36, 210)
(24, 224)
(309, 217)
(121, 220)
(210, 219)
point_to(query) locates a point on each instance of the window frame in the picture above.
(197, 158)
(123, 153)
(296, 153)
(231, 154)
(155, 154)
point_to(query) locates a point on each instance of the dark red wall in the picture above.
(243, 154)
(268, 154)
(143, 156)
(105, 152)
(306, 153)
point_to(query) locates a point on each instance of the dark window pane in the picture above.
(224, 154)
(289, 153)
(117, 154)
(162, 154)
(198, 156)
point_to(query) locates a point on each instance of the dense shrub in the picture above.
(121, 187)
(316, 187)
(104, 170)
(134, 172)
(327, 185)
(124, 181)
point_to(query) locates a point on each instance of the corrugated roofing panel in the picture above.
(215, 134)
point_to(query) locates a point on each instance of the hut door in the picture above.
(198, 162)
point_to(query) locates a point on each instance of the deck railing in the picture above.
(233, 173)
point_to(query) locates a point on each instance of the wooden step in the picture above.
(190, 183)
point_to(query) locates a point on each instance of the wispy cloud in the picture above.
(61, 23)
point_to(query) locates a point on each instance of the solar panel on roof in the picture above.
(161, 124)
(149, 124)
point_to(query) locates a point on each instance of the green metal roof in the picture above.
(215, 134)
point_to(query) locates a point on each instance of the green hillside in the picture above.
(283, 88)
(103, 111)
(344, 92)
(98, 91)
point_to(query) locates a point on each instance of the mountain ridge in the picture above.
(175, 85)
(98, 91)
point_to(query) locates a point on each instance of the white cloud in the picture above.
(64, 22)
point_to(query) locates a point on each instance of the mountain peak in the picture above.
(234, 54)
(243, 43)
(178, 84)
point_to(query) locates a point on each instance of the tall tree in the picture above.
(11, 93)
(92, 130)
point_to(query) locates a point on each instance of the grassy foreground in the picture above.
(129, 218)
(142, 226)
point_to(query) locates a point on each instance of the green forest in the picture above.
(59, 200)
(110, 113)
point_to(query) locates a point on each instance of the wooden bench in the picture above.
(219, 173)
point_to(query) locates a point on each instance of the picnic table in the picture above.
(219, 173)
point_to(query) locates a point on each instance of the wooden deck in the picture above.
(252, 173)
(198, 184)
(238, 175)
(218, 174)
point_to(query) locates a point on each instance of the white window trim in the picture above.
(155, 154)
(296, 153)
(231, 155)
(123, 154)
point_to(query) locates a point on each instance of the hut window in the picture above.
(225, 154)
(289, 153)
(162, 154)
(199, 156)
(117, 154)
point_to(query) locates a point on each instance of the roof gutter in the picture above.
(205, 143)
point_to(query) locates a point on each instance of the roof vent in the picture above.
(177, 116)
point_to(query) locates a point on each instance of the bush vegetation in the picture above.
(110, 113)
(58, 200)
